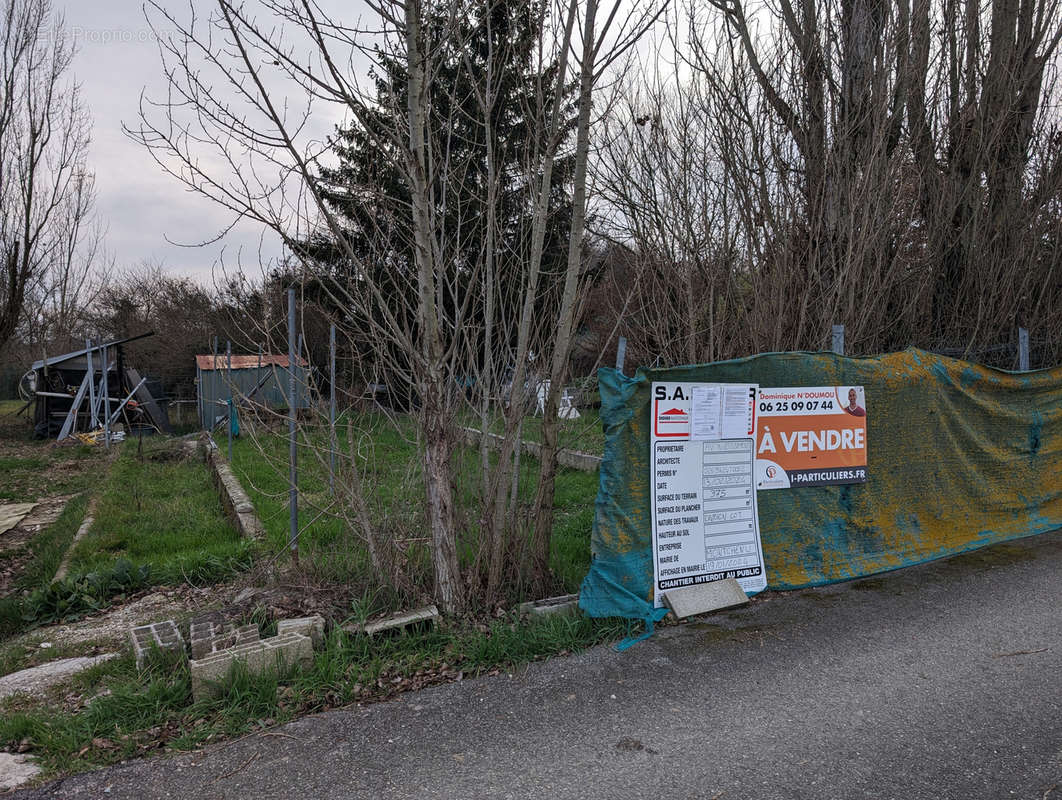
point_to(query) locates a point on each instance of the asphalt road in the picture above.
(940, 681)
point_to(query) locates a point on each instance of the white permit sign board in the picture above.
(702, 464)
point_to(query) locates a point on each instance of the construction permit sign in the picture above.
(705, 523)
(811, 436)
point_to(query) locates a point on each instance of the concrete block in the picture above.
(209, 636)
(576, 459)
(163, 635)
(704, 597)
(258, 657)
(426, 614)
(307, 626)
(560, 606)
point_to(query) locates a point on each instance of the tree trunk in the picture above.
(540, 545)
(508, 460)
(435, 418)
(438, 484)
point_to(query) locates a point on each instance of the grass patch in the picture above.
(135, 712)
(47, 550)
(158, 521)
(46, 470)
(163, 512)
(583, 434)
(391, 477)
(26, 651)
(32, 468)
(114, 725)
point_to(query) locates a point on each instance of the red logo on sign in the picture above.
(671, 423)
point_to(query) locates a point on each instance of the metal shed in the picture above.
(261, 380)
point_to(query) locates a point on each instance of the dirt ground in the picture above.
(15, 551)
(41, 472)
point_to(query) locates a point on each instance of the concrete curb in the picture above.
(564, 605)
(64, 565)
(235, 500)
(574, 459)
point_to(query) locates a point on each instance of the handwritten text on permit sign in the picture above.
(705, 525)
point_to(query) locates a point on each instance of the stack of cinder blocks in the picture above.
(218, 645)
(257, 656)
(161, 635)
(209, 636)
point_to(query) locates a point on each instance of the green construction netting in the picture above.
(960, 456)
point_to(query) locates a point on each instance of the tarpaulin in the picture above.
(959, 456)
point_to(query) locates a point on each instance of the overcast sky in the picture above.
(149, 215)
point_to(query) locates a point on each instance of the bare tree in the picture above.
(46, 191)
(821, 162)
(456, 317)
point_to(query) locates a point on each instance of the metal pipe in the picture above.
(106, 401)
(228, 378)
(293, 493)
(91, 386)
(213, 387)
(332, 409)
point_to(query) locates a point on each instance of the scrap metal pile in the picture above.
(91, 396)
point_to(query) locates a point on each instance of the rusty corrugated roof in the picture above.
(206, 362)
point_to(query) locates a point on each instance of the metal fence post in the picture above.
(91, 387)
(621, 353)
(838, 339)
(293, 495)
(332, 408)
(212, 401)
(106, 401)
(228, 377)
(1023, 349)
